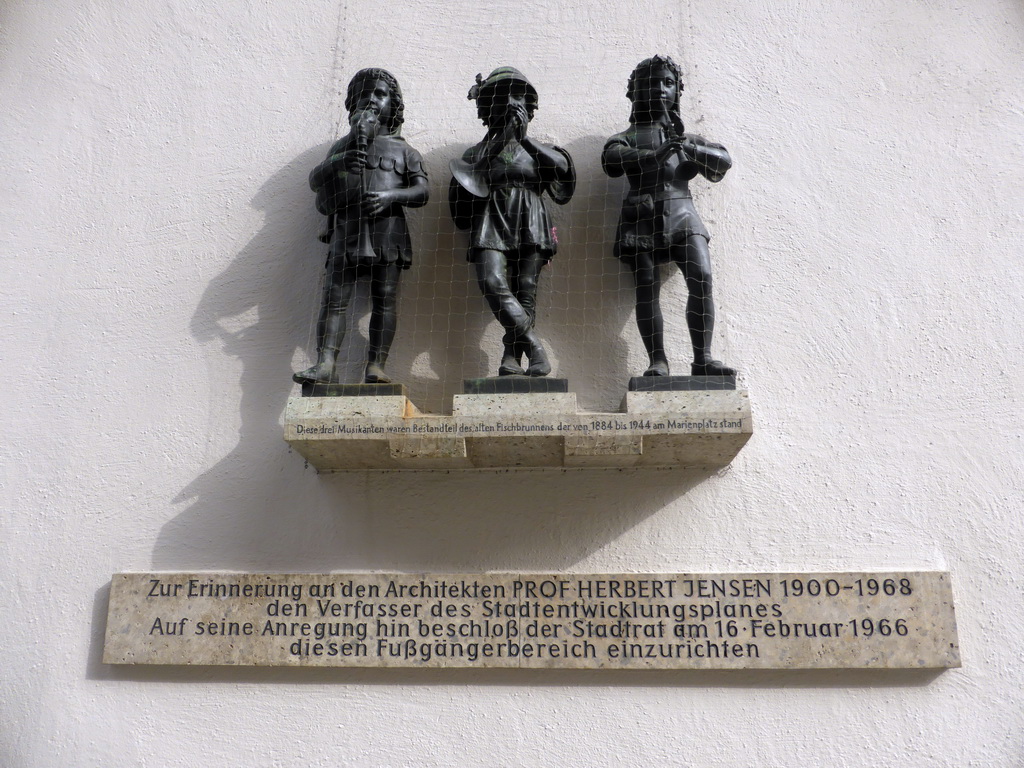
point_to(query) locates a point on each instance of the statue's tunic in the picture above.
(514, 214)
(391, 164)
(658, 211)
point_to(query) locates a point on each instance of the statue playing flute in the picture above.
(368, 179)
(659, 224)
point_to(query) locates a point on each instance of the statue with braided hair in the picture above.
(659, 224)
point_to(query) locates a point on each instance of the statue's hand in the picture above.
(355, 160)
(689, 147)
(375, 203)
(520, 121)
(667, 149)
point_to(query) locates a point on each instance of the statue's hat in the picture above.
(498, 76)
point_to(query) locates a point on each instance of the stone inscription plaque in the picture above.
(577, 621)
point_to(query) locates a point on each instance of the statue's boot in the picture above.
(700, 315)
(658, 367)
(712, 368)
(375, 374)
(539, 365)
(511, 356)
(377, 357)
(324, 372)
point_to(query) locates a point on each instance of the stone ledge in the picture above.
(703, 428)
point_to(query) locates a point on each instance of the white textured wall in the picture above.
(157, 243)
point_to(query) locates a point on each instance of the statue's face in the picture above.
(376, 97)
(508, 98)
(656, 91)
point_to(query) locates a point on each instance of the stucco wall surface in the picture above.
(159, 269)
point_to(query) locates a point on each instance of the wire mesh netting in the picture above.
(514, 256)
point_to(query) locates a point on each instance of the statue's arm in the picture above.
(712, 160)
(554, 163)
(562, 187)
(620, 157)
(555, 167)
(324, 173)
(414, 195)
(416, 191)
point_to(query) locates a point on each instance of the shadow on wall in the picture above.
(290, 519)
(271, 280)
(500, 520)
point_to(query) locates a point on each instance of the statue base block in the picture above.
(514, 385)
(680, 383)
(688, 428)
(312, 389)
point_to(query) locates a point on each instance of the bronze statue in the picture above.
(496, 193)
(363, 187)
(659, 224)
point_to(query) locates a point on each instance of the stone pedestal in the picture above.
(514, 385)
(311, 389)
(680, 383)
(695, 428)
